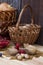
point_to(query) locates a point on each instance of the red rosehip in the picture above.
(17, 46)
(22, 51)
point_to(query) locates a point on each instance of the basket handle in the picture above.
(26, 6)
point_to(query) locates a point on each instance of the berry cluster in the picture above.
(4, 42)
(17, 46)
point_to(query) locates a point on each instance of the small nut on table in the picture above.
(27, 56)
(19, 57)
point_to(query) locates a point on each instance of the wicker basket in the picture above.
(27, 33)
(6, 19)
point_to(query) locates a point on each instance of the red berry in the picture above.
(4, 43)
(21, 51)
(17, 46)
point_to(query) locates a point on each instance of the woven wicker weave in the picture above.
(7, 17)
(27, 33)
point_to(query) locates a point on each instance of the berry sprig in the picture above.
(17, 46)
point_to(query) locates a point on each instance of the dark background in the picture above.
(37, 6)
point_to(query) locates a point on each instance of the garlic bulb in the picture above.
(30, 49)
(5, 6)
(12, 51)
